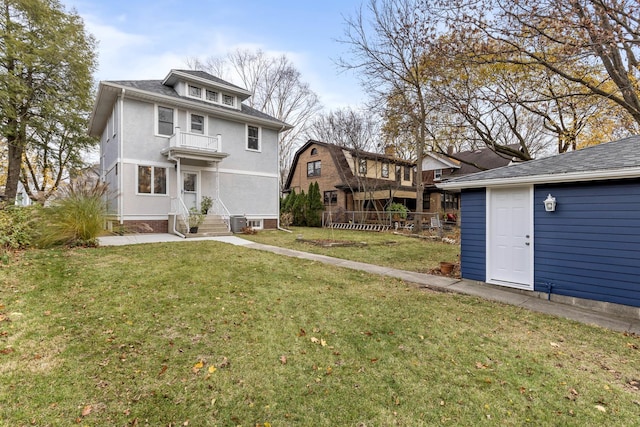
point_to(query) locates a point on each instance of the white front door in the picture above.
(190, 188)
(510, 237)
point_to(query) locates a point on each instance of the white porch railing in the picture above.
(180, 209)
(220, 209)
(195, 141)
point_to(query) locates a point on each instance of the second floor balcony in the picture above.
(194, 146)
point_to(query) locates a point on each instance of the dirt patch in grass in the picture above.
(329, 243)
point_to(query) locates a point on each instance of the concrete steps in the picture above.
(213, 225)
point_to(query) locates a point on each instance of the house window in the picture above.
(152, 180)
(385, 170)
(212, 96)
(313, 168)
(197, 124)
(437, 174)
(398, 173)
(253, 138)
(407, 173)
(331, 197)
(362, 166)
(256, 224)
(449, 201)
(195, 91)
(228, 100)
(165, 121)
(314, 151)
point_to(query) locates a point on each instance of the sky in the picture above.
(144, 39)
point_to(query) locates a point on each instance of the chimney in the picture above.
(450, 150)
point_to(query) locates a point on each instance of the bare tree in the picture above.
(277, 89)
(347, 128)
(387, 42)
(564, 37)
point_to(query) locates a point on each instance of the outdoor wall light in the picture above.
(550, 203)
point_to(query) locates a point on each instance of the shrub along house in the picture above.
(166, 144)
(567, 225)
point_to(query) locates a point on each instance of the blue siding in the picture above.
(473, 234)
(590, 246)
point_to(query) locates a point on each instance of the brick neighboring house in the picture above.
(437, 168)
(352, 180)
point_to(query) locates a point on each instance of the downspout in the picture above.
(279, 189)
(120, 157)
(178, 189)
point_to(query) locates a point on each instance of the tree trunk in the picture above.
(16, 149)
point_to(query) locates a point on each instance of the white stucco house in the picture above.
(166, 144)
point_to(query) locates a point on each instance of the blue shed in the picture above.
(587, 247)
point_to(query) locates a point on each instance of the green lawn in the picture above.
(386, 249)
(205, 334)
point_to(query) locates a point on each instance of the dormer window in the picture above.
(228, 100)
(195, 91)
(212, 96)
(362, 166)
(437, 174)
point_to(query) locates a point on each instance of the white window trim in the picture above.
(233, 99)
(437, 174)
(217, 101)
(157, 120)
(189, 86)
(204, 124)
(259, 221)
(153, 167)
(246, 139)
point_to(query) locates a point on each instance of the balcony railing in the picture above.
(195, 141)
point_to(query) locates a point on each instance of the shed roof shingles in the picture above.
(624, 153)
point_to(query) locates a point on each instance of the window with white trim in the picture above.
(195, 91)
(385, 170)
(152, 180)
(165, 121)
(437, 174)
(197, 124)
(228, 100)
(256, 224)
(253, 138)
(212, 95)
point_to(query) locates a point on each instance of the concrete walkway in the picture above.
(530, 300)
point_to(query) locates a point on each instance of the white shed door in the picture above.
(510, 239)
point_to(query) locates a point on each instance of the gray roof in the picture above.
(590, 162)
(156, 86)
(210, 77)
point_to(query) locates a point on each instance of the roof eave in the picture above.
(596, 175)
(175, 75)
(238, 115)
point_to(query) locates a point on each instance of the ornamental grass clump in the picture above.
(76, 216)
